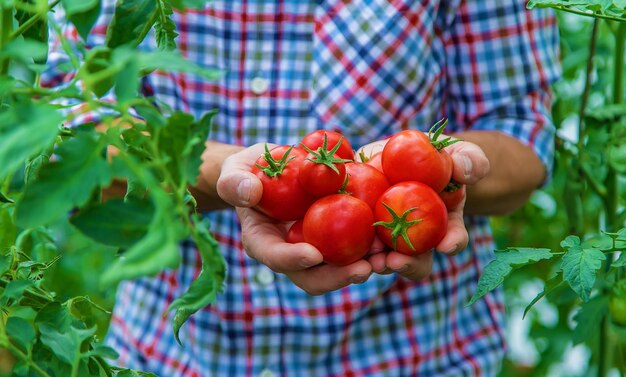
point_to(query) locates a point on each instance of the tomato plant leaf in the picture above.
(116, 222)
(209, 282)
(78, 6)
(570, 241)
(551, 285)
(14, 291)
(65, 183)
(85, 17)
(579, 266)
(164, 27)
(4, 199)
(172, 61)
(21, 332)
(505, 262)
(589, 317)
(127, 79)
(156, 251)
(185, 4)
(131, 22)
(66, 345)
(25, 130)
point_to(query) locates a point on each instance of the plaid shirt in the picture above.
(369, 68)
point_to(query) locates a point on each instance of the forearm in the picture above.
(205, 191)
(515, 173)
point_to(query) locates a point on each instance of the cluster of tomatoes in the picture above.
(339, 205)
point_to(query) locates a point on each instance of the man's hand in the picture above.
(470, 166)
(264, 238)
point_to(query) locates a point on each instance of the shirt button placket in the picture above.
(267, 373)
(264, 277)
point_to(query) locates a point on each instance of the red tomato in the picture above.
(283, 197)
(315, 140)
(365, 182)
(410, 156)
(340, 227)
(321, 176)
(294, 235)
(452, 195)
(376, 161)
(415, 213)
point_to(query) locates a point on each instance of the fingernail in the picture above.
(243, 190)
(307, 262)
(452, 250)
(467, 166)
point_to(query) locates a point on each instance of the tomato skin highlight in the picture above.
(320, 180)
(410, 156)
(429, 208)
(365, 182)
(340, 227)
(315, 140)
(283, 198)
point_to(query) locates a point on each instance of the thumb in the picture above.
(237, 185)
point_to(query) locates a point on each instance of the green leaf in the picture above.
(185, 4)
(16, 288)
(34, 165)
(620, 261)
(589, 317)
(127, 80)
(21, 332)
(505, 262)
(570, 241)
(117, 222)
(37, 32)
(65, 183)
(85, 19)
(55, 315)
(158, 250)
(4, 199)
(617, 157)
(8, 230)
(25, 130)
(66, 345)
(131, 22)
(182, 141)
(78, 6)
(172, 61)
(209, 282)
(26, 50)
(97, 60)
(164, 27)
(579, 267)
(552, 284)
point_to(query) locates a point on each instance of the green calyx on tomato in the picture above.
(399, 225)
(452, 186)
(275, 167)
(326, 157)
(435, 131)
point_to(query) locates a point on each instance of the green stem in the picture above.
(582, 13)
(16, 352)
(6, 26)
(32, 21)
(611, 201)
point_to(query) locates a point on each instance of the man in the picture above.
(370, 69)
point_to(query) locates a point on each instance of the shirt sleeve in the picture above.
(502, 59)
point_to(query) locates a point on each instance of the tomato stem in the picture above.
(436, 130)
(325, 156)
(399, 225)
(275, 167)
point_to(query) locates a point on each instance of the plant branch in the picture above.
(32, 21)
(6, 26)
(587, 14)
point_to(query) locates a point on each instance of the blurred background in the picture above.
(540, 344)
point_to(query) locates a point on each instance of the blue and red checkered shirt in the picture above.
(369, 68)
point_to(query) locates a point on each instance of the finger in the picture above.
(456, 238)
(470, 162)
(264, 240)
(237, 185)
(379, 265)
(370, 149)
(326, 278)
(415, 267)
